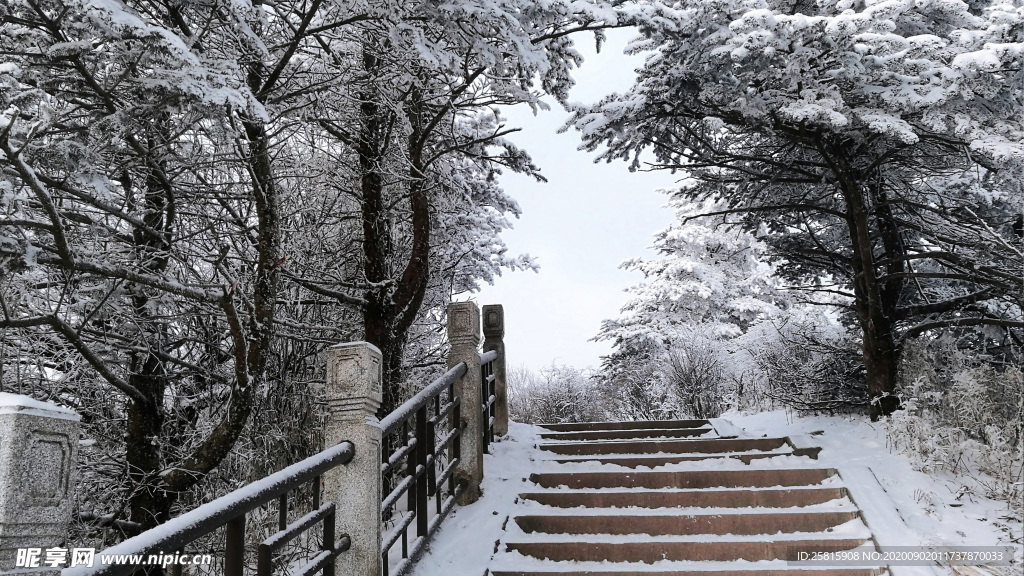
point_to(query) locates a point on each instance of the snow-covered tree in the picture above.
(197, 197)
(712, 273)
(424, 129)
(712, 282)
(875, 141)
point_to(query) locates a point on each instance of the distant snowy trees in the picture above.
(876, 148)
(711, 272)
(711, 282)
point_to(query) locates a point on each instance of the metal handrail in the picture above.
(429, 467)
(227, 510)
(392, 421)
(488, 397)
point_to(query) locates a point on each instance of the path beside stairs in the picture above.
(677, 498)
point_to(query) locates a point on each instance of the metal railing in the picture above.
(420, 466)
(230, 511)
(487, 394)
(430, 455)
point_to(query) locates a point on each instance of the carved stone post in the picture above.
(353, 396)
(464, 336)
(38, 448)
(494, 333)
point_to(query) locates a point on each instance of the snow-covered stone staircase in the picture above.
(688, 497)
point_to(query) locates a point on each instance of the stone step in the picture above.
(663, 459)
(703, 445)
(703, 522)
(638, 424)
(659, 525)
(650, 551)
(627, 572)
(738, 498)
(686, 479)
(626, 434)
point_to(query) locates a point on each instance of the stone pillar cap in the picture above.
(463, 323)
(20, 404)
(359, 344)
(494, 321)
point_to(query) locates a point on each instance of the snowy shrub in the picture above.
(634, 389)
(555, 395)
(696, 376)
(812, 367)
(746, 390)
(712, 282)
(964, 414)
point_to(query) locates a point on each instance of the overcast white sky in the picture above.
(580, 226)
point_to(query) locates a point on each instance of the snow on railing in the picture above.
(230, 511)
(434, 455)
(421, 467)
(381, 480)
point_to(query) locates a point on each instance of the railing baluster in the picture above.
(282, 511)
(483, 405)
(234, 552)
(264, 560)
(329, 540)
(431, 447)
(488, 394)
(410, 466)
(420, 468)
(405, 543)
(492, 399)
(456, 446)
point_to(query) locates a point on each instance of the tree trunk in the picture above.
(149, 503)
(378, 245)
(251, 342)
(880, 352)
(393, 298)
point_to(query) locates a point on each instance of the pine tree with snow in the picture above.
(712, 273)
(877, 143)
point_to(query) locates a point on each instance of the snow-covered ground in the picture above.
(935, 509)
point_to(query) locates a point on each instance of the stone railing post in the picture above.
(38, 448)
(464, 337)
(494, 333)
(353, 396)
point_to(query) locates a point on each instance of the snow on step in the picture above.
(701, 445)
(638, 424)
(651, 461)
(661, 548)
(836, 536)
(626, 434)
(685, 524)
(725, 429)
(668, 568)
(672, 500)
(699, 504)
(686, 478)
